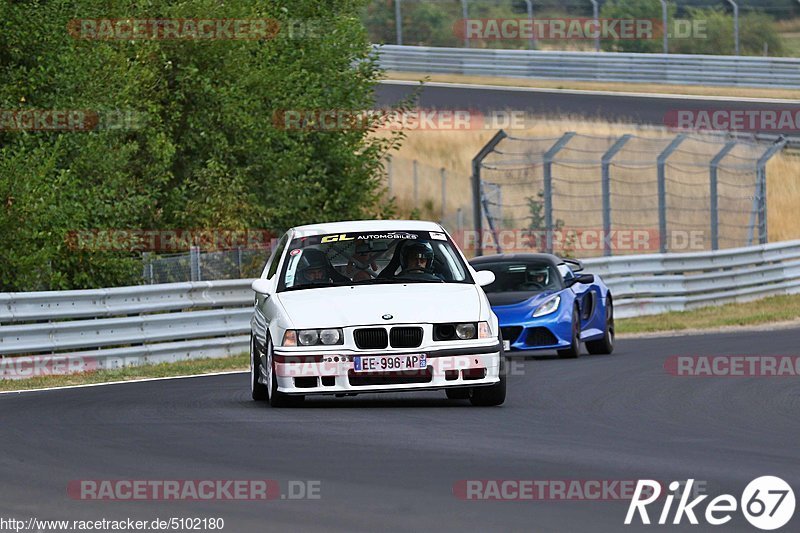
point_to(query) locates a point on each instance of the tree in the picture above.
(636, 10)
(206, 152)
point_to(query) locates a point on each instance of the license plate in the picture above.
(506, 345)
(385, 363)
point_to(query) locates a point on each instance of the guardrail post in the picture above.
(714, 194)
(761, 189)
(549, 156)
(606, 178)
(477, 213)
(662, 190)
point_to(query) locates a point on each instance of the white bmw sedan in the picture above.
(373, 306)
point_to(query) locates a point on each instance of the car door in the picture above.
(585, 295)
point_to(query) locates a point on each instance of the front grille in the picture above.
(390, 378)
(406, 337)
(371, 338)
(511, 333)
(540, 337)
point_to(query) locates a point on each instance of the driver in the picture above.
(417, 260)
(539, 277)
(313, 267)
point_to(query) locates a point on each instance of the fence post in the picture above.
(398, 22)
(606, 179)
(194, 263)
(714, 195)
(477, 161)
(596, 16)
(416, 183)
(761, 188)
(735, 24)
(465, 16)
(529, 8)
(239, 259)
(549, 156)
(389, 174)
(444, 193)
(665, 22)
(662, 190)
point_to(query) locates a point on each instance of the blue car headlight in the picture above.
(549, 306)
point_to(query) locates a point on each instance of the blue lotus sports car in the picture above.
(546, 303)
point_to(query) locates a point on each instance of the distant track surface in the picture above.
(620, 107)
(390, 462)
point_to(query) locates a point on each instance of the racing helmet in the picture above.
(415, 250)
(313, 266)
(539, 275)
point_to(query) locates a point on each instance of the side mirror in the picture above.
(484, 277)
(262, 286)
(581, 278)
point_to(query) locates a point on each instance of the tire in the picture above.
(574, 349)
(257, 390)
(275, 398)
(604, 345)
(458, 394)
(493, 394)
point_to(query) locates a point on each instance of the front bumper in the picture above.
(537, 335)
(333, 371)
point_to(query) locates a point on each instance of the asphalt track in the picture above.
(390, 463)
(628, 108)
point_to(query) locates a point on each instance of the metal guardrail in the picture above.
(123, 326)
(682, 69)
(128, 326)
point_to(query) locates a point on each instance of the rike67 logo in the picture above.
(767, 503)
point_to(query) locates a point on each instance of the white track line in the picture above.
(142, 380)
(586, 92)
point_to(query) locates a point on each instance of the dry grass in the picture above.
(601, 86)
(454, 150)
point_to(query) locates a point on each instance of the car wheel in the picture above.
(493, 394)
(276, 398)
(574, 349)
(458, 394)
(604, 345)
(257, 390)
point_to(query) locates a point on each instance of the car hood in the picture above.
(366, 304)
(510, 301)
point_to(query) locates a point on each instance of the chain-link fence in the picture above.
(598, 195)
(198, 266)
(429, 193)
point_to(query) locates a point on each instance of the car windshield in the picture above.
(372, 258)
(521, 276)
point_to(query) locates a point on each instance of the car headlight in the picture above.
(313, 337)
(465, 331)
(548, 307)
(308, 337)
(330, 336)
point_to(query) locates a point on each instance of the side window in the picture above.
(276, 257)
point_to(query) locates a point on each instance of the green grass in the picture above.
(765, 311)
(791, 42)
(163, 370)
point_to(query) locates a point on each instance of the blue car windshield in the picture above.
(522, 276)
